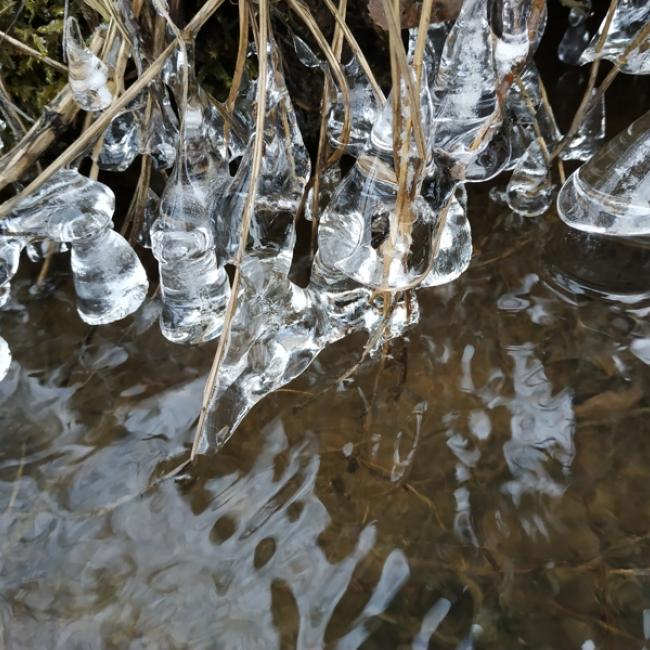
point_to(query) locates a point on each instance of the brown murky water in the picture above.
(485, 486)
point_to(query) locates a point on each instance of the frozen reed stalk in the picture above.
(87, 74)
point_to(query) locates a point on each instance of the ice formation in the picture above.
(389, 217)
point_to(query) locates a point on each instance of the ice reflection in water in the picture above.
(487, 486)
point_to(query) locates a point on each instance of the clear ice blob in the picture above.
(576, 36)
(110, 281)
(87, 74)
(194, 287)
(466, 108)
(123, 140)
(454, 248)
(193, 284)
(590, 135)
(278, 330)
(530, 191)
(364, 235)
(610, 194)
(630, 16)
(364, 110)
(5, 358)
(284, 170)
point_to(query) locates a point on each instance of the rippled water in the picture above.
(485, 485)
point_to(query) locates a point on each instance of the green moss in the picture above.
(31, 83)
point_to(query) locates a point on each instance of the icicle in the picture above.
(359, 233)
(454, 251)
(194, 287)
(329, 181)
(87, 74)
(279, 329)
(162, 133)
(610, 194)
(123, 139)
(281, 182)
(108, 277)
(629, 18)
(5, 358)
(467, 111)
(10, 248)
(530, 191)
(364, 110)
(576, 37)
(520, 122)
(590, 135)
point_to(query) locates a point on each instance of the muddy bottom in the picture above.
(483, 485)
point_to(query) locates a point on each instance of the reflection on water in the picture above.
(484, 485)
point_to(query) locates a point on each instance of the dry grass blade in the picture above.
(406, 76)
(241, 55)
(256, 163)
(89, 135)
(323, 147)
(335, 66)
(357, 51)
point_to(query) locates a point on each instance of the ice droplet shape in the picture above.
(123, 139)
(285, 168)
(629, 18)
(193, 285)
(278, 330)
(464, 91)
(610, 194)
(454, 251)
(530, 191)
(5, 358)
(87, 74)
(10, 248)
(109, 279)
(360, 233)
(108, 276)
(576, 36)
(590, 135)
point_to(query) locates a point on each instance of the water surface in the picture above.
(483, 485)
